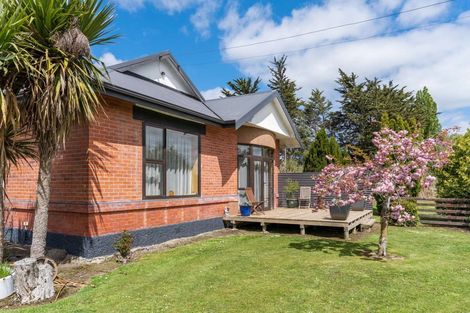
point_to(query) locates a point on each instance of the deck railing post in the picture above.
(264, 227)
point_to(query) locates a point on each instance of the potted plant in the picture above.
(245, 208)
(6, 281)
(339, 212)
(291, 189)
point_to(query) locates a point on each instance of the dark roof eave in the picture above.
(152, 103)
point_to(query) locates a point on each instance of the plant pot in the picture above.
(245, 210)
(6, 286)
(292, 203)
(340, 212)
(358, 206)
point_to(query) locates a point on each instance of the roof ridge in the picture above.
(248, 94)
(139, 60)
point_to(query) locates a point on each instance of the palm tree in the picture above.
(65, 84)
(242, 86)
(15, 144)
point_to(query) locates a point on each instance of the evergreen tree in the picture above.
(398, 123)
(242, 86)
(427, 108)
(318, 110)
(361, 107)
(286, 87)
(316, 114)
(320, 149)
(454, 179)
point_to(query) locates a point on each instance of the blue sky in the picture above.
(427, 47)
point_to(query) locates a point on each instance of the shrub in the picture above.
(411, 208)
(291, 188)
(124, 244)
(4, 270)
(454, 179)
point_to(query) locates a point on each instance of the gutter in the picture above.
(151, 103)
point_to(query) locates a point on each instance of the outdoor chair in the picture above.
(256, 206)
(305, 197)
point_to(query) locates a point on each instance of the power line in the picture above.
(327, 44)
(324, 29)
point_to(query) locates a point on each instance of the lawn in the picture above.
(288, 273)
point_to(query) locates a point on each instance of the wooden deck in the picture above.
(305, 217)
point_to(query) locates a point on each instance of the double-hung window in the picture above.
(171, 163)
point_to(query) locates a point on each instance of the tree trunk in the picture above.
(382, 252)
(34, 281)
(38, 247)
(2, 211)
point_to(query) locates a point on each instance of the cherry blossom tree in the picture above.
(401, 162)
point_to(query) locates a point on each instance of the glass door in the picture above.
(255, 170)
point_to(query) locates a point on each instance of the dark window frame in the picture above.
(163, 162)
(251, 159)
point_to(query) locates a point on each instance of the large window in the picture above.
(171, 163)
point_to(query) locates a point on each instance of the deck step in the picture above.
(368, 224)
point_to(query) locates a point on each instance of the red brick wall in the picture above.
(97, 180)
(115, 154)
(219, 161)
(69, 188)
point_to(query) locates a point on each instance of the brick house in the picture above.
(159, 161)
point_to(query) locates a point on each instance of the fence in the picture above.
(443, 211)
(304, 180)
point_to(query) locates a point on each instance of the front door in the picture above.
(255, 170)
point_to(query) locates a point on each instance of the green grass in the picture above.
(4, 270)
(272, 273)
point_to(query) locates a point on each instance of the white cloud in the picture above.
(387, 4)
(459, 118)
(201, 19)
(436, 57)
(110, 59)
(130, 5)
(420, 16)
(213, 93)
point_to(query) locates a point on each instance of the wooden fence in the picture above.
(443, 211)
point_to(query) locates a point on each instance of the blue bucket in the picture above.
(245, 210)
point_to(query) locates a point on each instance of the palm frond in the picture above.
(66, 78)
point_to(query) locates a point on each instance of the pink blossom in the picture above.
(401, 161)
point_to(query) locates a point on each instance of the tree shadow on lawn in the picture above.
(342, 248)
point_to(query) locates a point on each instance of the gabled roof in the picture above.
(127, 84)
(151, 92)
(236, 108)
(128, 65)
(245, 110)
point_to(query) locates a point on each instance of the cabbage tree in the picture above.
(64, 85)
(15, 144)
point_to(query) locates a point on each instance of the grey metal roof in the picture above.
(123, 66)
(145, 92)
(240, 109)
(154, 92)
(235, 108)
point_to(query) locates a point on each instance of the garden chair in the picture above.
(305, 197)
(256, 206)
